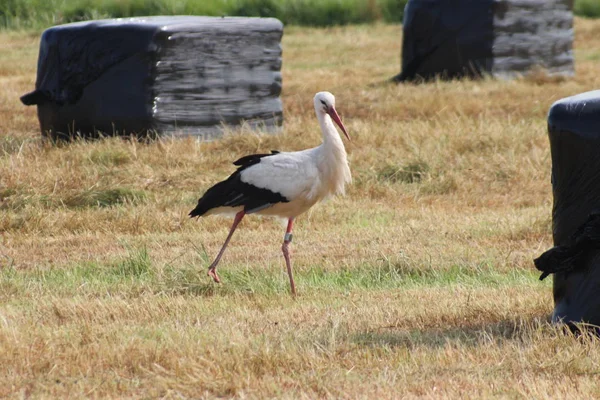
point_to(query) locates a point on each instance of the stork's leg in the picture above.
(287, 239)
(212, 270)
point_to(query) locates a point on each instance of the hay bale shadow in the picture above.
(468, 335)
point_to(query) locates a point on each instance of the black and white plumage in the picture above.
(234, 192)
(283, 184)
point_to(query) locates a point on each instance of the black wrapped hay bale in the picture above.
(574, 132)
(503, 38)
(180, 75)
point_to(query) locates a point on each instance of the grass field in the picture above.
(418, 283)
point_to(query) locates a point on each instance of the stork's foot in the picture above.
(213, 274)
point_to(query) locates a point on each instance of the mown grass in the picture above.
(418, 283)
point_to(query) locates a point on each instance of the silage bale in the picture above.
(180, 75)
(502, 38)
(574, 132)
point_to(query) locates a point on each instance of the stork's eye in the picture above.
(323, 102)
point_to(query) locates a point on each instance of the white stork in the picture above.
(282, 184)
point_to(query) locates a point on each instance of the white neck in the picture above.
(332, 160)
(330, 134)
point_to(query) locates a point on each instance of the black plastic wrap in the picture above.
(446, 37)
(171, 75)
(457, 38)
(574, 132)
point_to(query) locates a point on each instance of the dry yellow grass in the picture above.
(418, 283)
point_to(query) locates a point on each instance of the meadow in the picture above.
(418, 283)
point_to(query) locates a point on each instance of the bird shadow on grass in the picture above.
(514, 329)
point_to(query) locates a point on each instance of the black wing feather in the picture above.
(252, 159)
(232, 192)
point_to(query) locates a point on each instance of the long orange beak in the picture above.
(334, 115)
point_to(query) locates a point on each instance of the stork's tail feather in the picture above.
(205, 204)
(197, 212)
(217, 196)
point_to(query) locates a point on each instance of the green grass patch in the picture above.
(378, 275)
(110, 157)
(104, 197)
(137, 265)
(388, 274)
(587, 8)
(17, 198)
(130, 274)
(409, 173)
(136, 273)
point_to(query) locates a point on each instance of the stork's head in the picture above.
(325, 104)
